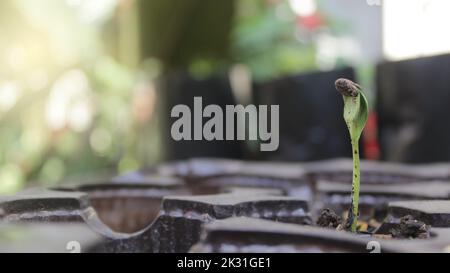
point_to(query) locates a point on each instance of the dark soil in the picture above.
(329, 219)
(411, 228)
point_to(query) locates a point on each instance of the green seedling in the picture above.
(355, 115)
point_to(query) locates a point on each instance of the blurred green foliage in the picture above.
(265, 39)
(66, 107)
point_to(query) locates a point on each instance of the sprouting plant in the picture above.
(355, 115)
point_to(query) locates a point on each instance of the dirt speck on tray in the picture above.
(411, 228)
(329, 219)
